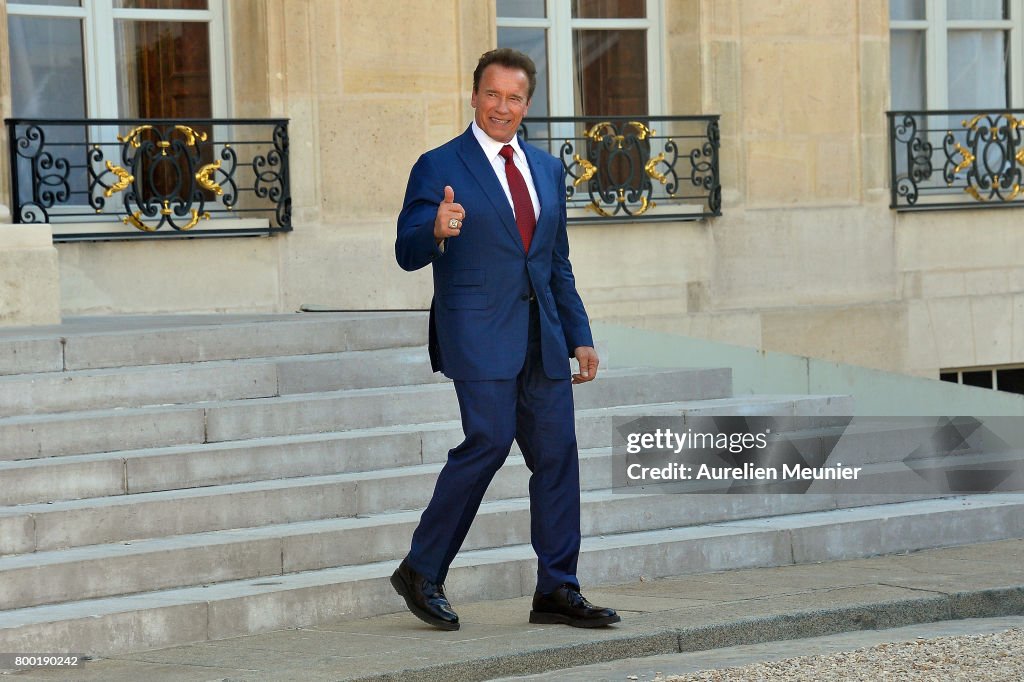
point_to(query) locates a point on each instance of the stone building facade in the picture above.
(806, 257)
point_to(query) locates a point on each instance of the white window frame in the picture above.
(98, 17)
(560, 24)
(936, 27)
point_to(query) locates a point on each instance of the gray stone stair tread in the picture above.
(118, 325)
(250, 486)
(51, 464)
(592, 545)
(144, 340)
(275, 531)
(195, 464)
(211, 380)
(653, 409)
(309, 397)
(170, 367)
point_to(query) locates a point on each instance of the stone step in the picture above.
(127, 518)
(124, 472)
(205, 558)
(86, 390)
(245, 505)
(93, 343)
(75, 433)
(180, 616)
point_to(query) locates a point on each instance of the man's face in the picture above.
(501, 100)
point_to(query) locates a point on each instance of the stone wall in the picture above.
(807, 258)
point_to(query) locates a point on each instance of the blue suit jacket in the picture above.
(479, 316)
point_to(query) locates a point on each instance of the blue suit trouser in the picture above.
(536, 412)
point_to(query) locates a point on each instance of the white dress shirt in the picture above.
(491, 149)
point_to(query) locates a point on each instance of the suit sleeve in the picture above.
(571, 313)
(415, 245)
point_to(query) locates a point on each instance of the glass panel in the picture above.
(530, 9)
(47, 68)
(161, 4)
(532, 41)
(975, 9)
(906, 10)
(163, 69)
(906, 59)
(50, 3)
(948, 376)
(1011, 380)
(48, 81)
(610, 72)
(981, 379)
(609, 9)
(978, 69)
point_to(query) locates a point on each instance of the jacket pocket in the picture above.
(466, 301)
(467, 278)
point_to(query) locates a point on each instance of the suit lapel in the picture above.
(480, 168)
(545, 192)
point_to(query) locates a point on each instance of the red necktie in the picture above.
(525, 219)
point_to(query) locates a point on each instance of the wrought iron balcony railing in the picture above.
(630, 168)
(954, 159)
(130, 178)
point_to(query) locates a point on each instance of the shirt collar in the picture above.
(491, 146)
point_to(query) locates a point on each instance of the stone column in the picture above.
(29, 278)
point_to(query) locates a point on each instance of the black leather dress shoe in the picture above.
(567, 605)
(424, 598)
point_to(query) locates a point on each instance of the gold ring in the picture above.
(453, 223)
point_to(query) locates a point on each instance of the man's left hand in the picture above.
(587, 357)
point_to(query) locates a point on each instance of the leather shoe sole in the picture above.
(545, 618)
(406, 593)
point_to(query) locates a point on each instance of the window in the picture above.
(1009, 379)
(965, 56)
(956, 54)
(114, 59)
(117, 58)
(594, 57)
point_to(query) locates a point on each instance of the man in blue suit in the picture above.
(487, 211)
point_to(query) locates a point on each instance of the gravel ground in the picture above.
(995, 657)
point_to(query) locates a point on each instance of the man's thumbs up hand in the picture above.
(448, 221)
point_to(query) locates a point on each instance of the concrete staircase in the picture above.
(173, 480)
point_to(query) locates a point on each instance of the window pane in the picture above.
(906, 60)
(610, 72)
(906, 9)
(161, 4)
(975, 9)
(51, 3)
(609, 9)
(948, 376)
(978, 68)
(1011, 380)
(47, 68)
(981, 379)
(164, 69)
(532, 41)
(532, 9)
(48, 81)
